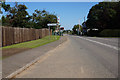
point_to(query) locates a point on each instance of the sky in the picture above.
(70, 12)
(54, 0)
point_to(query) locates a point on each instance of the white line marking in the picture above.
(103, 39)
(82, 70)
(100, 43)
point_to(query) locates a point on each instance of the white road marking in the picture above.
(110, 46)
(82, 70)
(102, 38)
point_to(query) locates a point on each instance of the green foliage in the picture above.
(18, 17)
(5, 7)
(93, 32)
(75, 28)
(110, 33)
(34, 43)
(67, 31)
(104, 15)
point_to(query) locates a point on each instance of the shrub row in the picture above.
(110, 33)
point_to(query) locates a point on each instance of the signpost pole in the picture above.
(55, 33)
(49, 32)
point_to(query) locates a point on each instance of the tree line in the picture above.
(102, 20)
(18, 16)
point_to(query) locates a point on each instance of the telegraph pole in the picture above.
(84, 18)
(79, 28)
(58, 21)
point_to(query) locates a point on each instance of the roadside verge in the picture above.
(21, 47)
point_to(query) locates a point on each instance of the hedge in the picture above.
(110, 33)
(93, 33)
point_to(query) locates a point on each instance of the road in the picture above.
(78, 57)
(0, 64)
(0, 69)
(19, 60)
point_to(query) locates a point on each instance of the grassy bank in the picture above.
(17, 48)
(34, 43)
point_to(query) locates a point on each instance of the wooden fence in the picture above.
(15, 35)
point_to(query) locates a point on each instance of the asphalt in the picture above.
(77, 58)
(0, 64)
(0, 70)
(17, 61)
(110, 41)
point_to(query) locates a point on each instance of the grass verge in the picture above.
(34, 43)
(17, 48)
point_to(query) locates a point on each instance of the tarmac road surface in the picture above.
(78, 57)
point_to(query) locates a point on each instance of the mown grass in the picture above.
(34, 43)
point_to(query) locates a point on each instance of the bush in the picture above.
(93, 33)
(110, 33)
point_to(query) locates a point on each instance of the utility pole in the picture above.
(79, 28)
(58, 21)
(84, 18)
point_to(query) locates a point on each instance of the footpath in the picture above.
(17, 61)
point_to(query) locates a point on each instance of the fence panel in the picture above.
(3, 37)
(40, 33)
(14, 35)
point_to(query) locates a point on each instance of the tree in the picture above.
(5, 7)
(42, 18)
(103, 16)
(50, 18)
(37, 19)
(75, 28)
(18, 17)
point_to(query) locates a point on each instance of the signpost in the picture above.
(52, 24)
